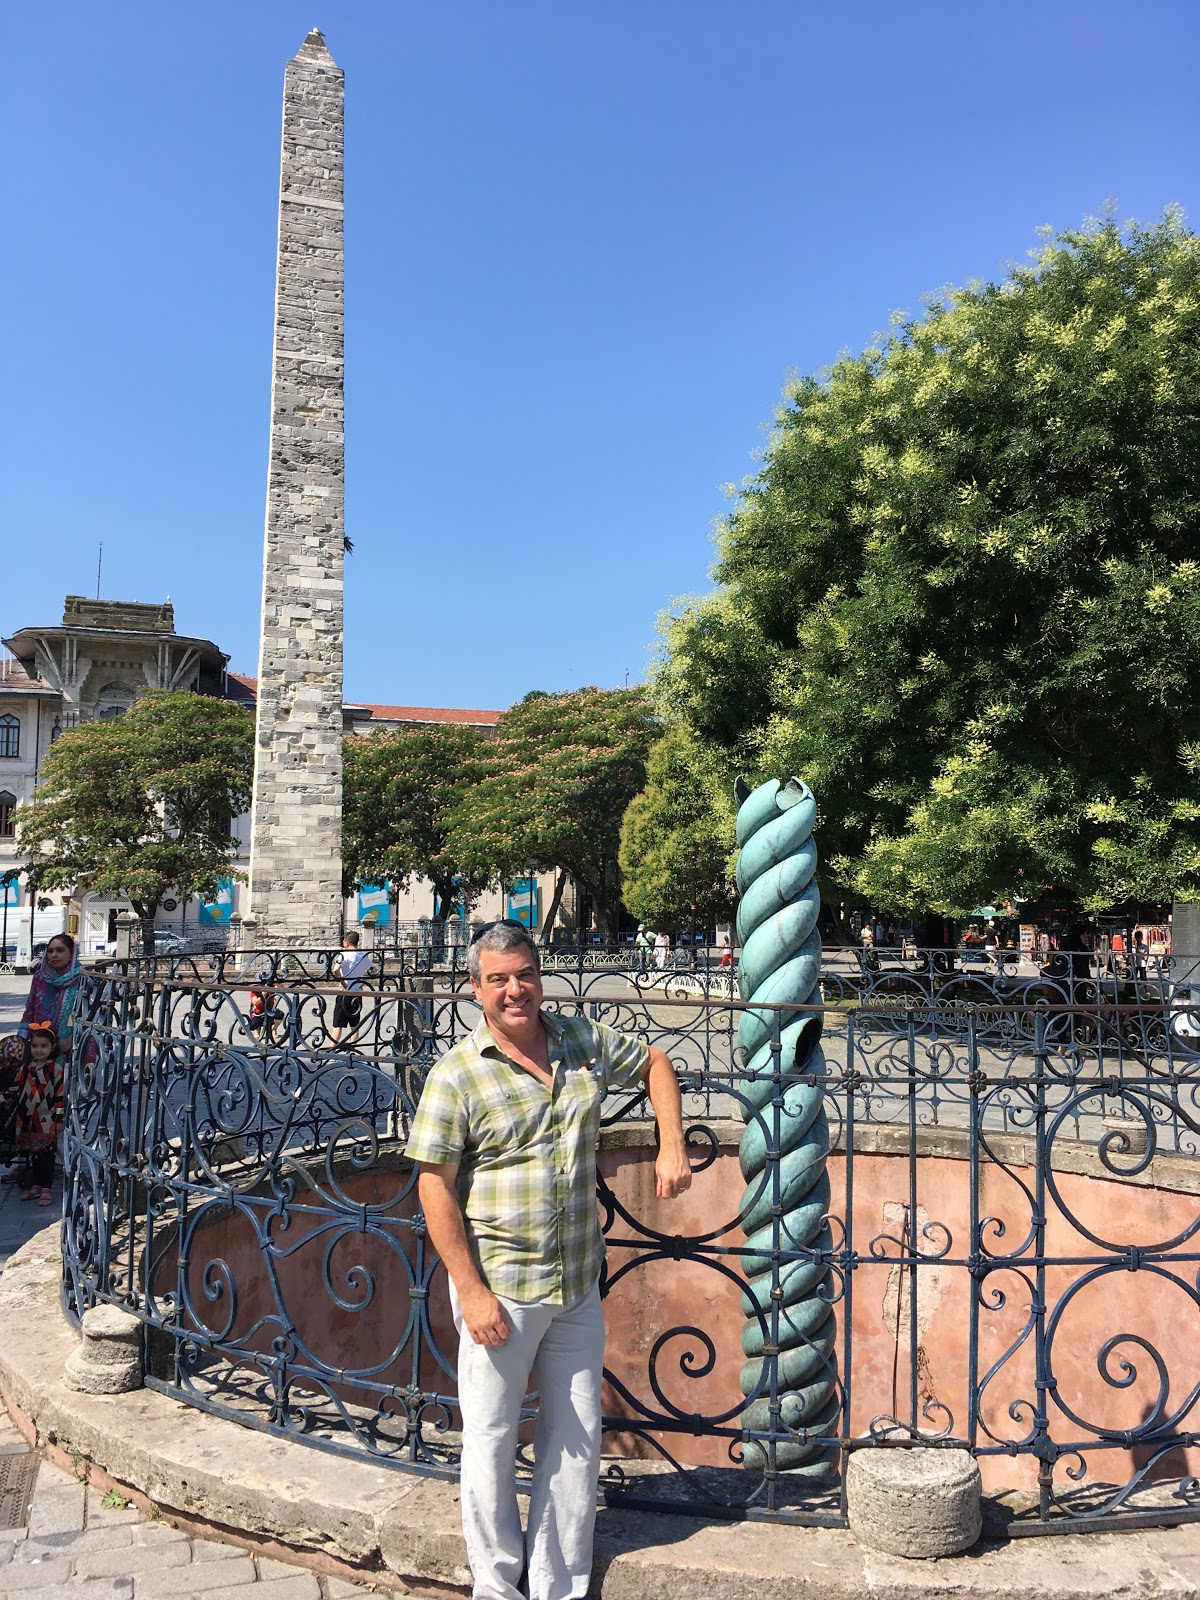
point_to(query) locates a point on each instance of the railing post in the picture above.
(128, 936)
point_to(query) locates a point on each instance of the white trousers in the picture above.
(562, 1348)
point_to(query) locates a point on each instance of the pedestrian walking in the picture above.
(352, 965)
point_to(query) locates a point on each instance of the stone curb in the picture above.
(210, 1471)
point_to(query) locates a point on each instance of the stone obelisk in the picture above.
(296, 820)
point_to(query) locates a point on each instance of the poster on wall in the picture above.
(374, 905)
(218, 912)
(10, 891)
(523, 902)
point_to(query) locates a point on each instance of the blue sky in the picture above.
(587, 241)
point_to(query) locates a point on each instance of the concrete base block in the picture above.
(109, 1357)
(1132, 1135)
(919, 1502)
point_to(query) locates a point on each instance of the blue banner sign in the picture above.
(374, 905)
(523, 902)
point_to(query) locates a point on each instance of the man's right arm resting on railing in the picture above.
(483, 1315)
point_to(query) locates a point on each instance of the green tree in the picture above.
(677, 838)
(400, 792)
(962, 599)
(554, 786)
(143, 804)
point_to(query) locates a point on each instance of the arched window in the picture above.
(114, 700)
(8, 806)
(10, 737)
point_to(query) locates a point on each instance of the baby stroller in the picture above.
(12, 1059)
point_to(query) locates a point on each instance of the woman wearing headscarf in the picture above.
(55, 988)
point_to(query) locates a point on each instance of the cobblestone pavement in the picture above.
(21, 1219)
(74, 1546)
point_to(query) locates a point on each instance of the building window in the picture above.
(10, 736)
(8, 806)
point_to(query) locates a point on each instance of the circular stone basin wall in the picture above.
(1097, 1319)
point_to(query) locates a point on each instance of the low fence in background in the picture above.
(1006, 1236)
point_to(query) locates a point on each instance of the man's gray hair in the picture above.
(500, 936)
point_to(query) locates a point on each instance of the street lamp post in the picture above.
(7, 879)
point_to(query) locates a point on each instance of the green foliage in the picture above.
(677, 839)
(962, 596)
(144, 803)
(401, 789)
(554, 787)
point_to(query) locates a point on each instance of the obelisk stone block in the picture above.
(296, 824)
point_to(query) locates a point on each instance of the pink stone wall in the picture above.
(651, 1292)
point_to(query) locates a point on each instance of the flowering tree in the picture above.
(400, 791)
(962, 596)
(553, 788)
(677, 839)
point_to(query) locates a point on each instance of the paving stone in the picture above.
(227, 1580)
(158, 1533)
(100, 1515)
(35, 1574)
(339, 1589)
(92, 1589)
(275, 1569)
(55, 1544)
(213, 1550)
(13, 1535)
(297, 1586)
(6, 1551)
(132, 1561)
(196, 1579)
(58, 1507)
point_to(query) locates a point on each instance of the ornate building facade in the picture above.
(94, 664)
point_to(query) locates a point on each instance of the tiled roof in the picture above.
(474, 718)
(430, 714)
(14, 676)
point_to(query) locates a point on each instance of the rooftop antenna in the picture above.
(99, 562)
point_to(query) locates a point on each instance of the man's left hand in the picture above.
(673, 1175)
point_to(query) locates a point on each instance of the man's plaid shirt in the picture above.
(526, 1152)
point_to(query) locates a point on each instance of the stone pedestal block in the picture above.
(919, 1503)
(1132, 1134)
(129, 936)
(109, 1357)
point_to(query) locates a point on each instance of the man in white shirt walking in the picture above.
(351, 966)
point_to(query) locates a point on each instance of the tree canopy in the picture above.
(553, 788)
(677, 838)
(400, 791)
(142, 804)
(962, 596)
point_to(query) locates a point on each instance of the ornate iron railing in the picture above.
(1009, 1231)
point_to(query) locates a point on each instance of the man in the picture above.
(506, 1135)
(351, 966)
